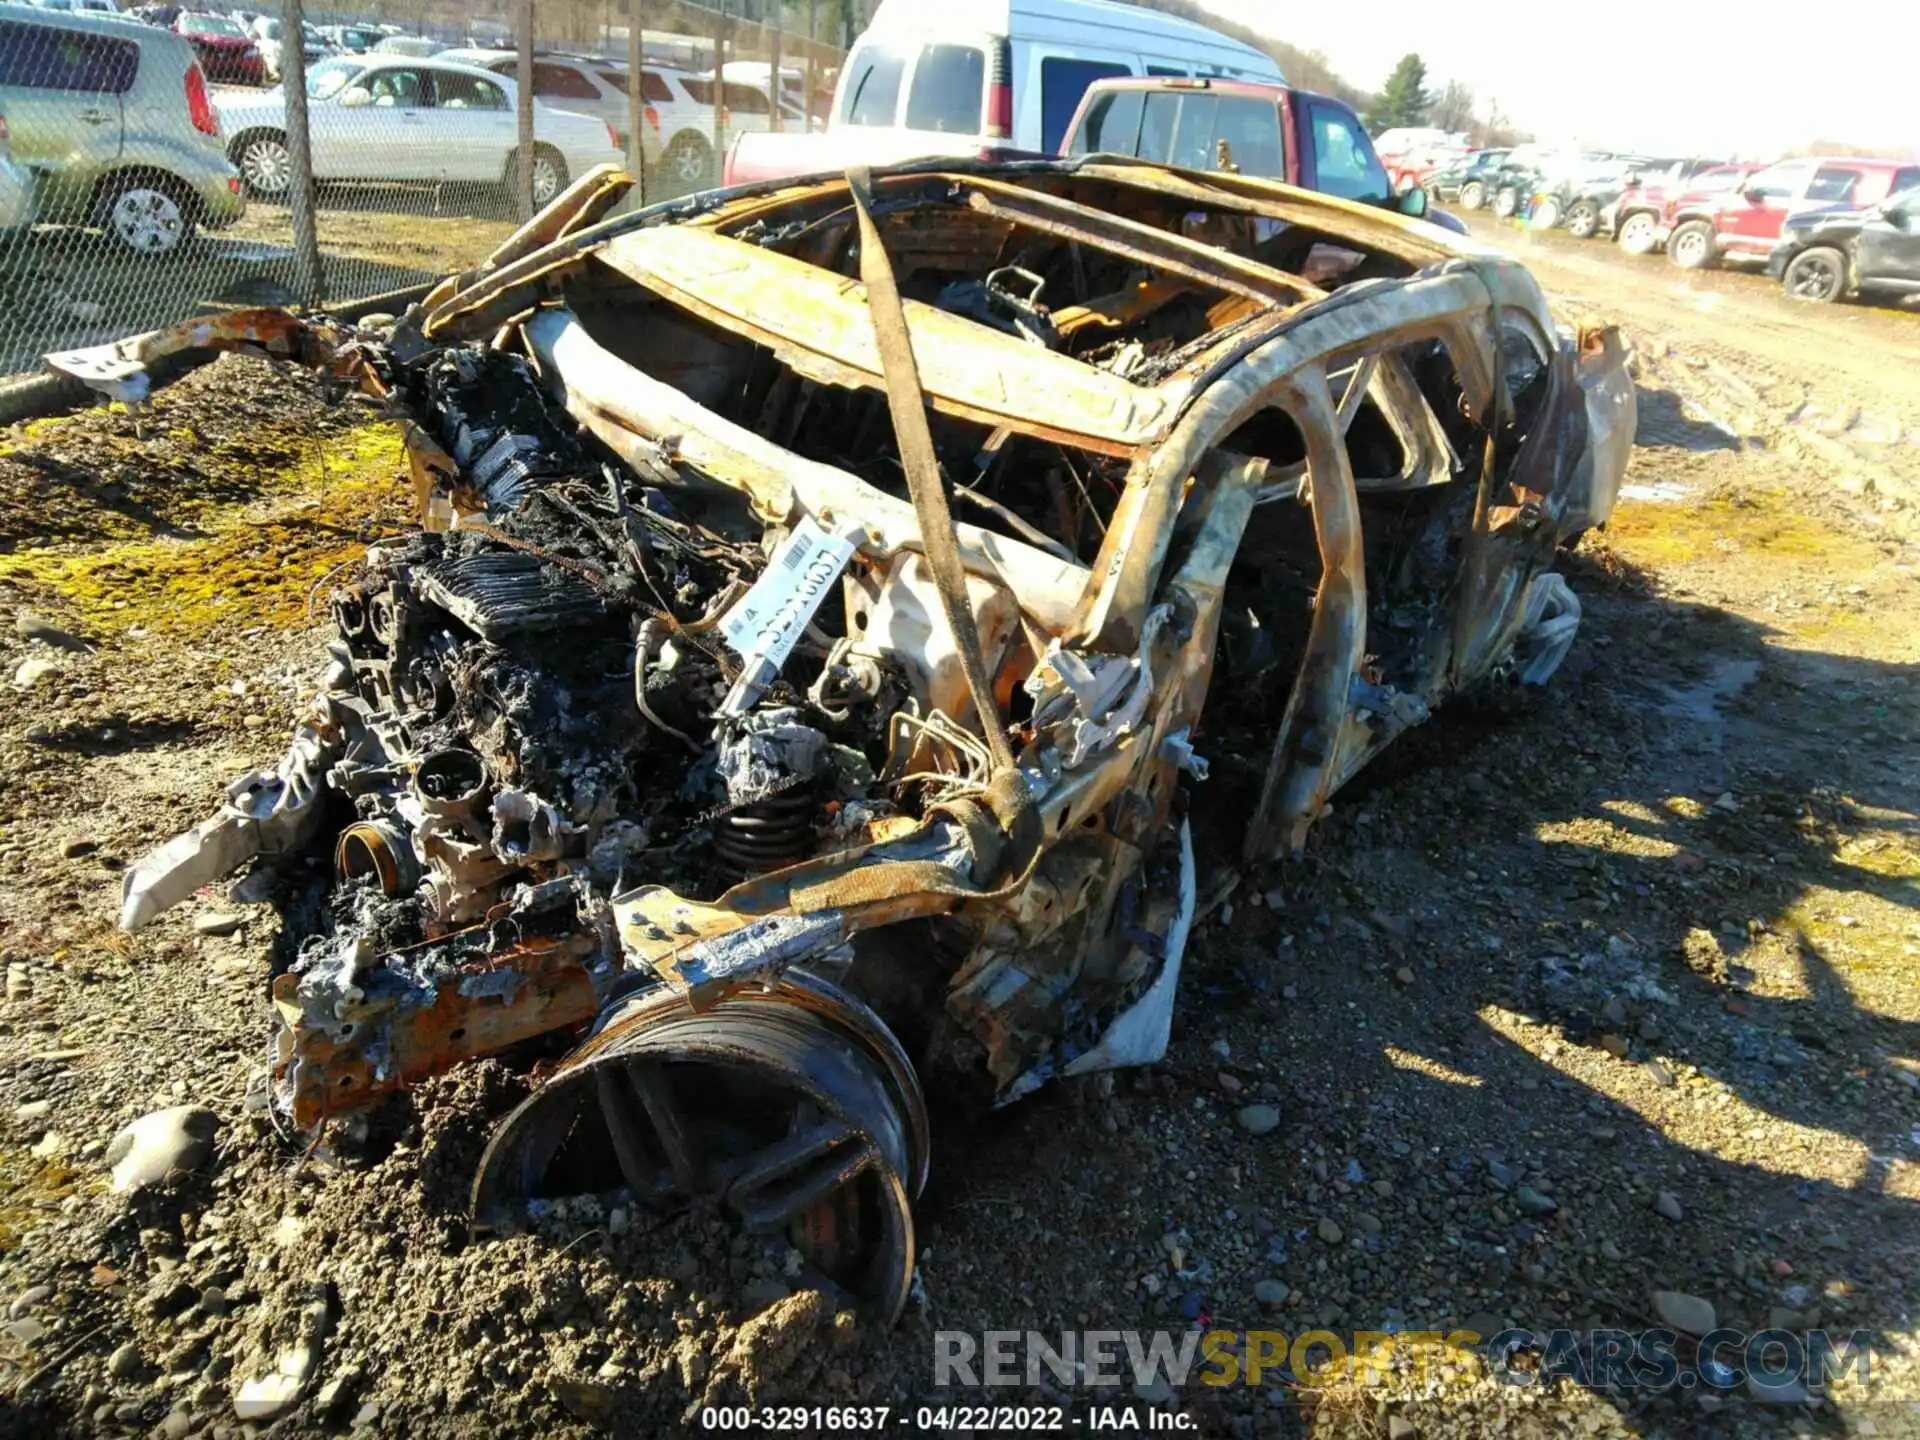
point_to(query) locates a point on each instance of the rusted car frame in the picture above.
(1002, 881)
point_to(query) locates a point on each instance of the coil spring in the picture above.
(768, 834)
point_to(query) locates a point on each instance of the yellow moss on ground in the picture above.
(257, 563)
(1755, 522)
(40, 427)
(1839, 628)
(1881, 853)
(31, 1190)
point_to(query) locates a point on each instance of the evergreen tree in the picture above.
(1404, 99)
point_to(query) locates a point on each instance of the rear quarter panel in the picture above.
(205, 172)
(581, 139)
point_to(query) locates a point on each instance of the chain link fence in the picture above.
(148, 170)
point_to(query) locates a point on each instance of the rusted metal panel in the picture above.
(818, 324)
(353, 1054)
(1314, 729)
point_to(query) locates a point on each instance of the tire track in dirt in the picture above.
(1830, 385)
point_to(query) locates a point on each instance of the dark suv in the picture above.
(1850, 250)
(1469, 181)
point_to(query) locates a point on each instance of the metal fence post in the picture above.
(307, 277)
(719, 87)
(523, 182)
(636, 97)
(775, 89)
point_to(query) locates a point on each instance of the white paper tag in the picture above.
(769, 618)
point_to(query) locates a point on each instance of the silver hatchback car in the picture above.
(114, 122)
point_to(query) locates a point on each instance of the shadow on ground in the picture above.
(1664, 423)
(1527, 980)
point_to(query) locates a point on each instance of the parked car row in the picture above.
(385, 117)
(1827, 227)
(678, 135)
(678, 117)
(114, 123)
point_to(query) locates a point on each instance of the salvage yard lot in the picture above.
(1560, 1009)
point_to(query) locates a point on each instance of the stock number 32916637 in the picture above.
(850, 1419)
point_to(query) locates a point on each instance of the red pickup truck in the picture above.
(1743, 223)
(1274, 131)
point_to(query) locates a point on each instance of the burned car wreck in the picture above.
(786, 698)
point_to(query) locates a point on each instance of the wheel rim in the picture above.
(1503, 204)
(148, 221)
(1689, 248)
(1813, 279)
(546, 179)
(1471, 196)
(1637, 233)
(1582, 222)
(688, 163)
(793, 1112)
(1547, 216)
(267, 166)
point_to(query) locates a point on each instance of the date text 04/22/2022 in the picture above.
(971, 1419)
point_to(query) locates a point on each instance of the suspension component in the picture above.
(768, 834)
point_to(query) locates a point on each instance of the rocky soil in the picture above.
(1592, 1015)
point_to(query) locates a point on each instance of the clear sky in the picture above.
(1676, 75)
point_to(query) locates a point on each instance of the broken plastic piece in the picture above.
(262, 815)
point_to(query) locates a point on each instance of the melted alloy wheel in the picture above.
(792, 1111)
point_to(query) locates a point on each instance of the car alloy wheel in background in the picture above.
(688, 158)
(1816, 274)
(1473, 195)
(549, 178)
(265, 164)
(147, 220)
(1691, 247)
(1583, 220)
(1546, 214)
(1639, 233)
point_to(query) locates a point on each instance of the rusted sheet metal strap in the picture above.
(1142, 244)
(1027, 203)
(907, 403)
(583, 202)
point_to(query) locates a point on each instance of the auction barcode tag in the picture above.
(768, 620)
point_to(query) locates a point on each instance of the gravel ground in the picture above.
(1559, 1011)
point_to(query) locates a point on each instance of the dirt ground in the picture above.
(1559, 1010)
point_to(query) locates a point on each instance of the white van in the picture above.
(979, 77)
(1014, 70)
